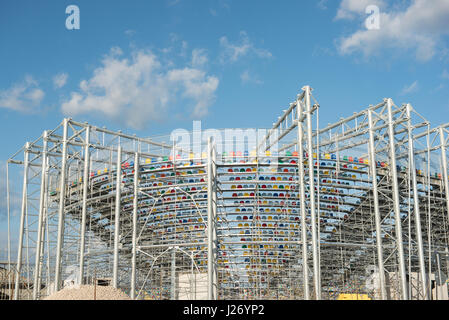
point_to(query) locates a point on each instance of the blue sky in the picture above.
(148, 67)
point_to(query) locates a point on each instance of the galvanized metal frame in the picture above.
(377, 232)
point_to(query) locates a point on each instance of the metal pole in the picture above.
(445, 175)
(416, 206)
(135, 204)
(40, 218)
(9, 231)
(396, 200)
(48, 238)
(44, 227)
(84, 205)
(214, 212)
(22, 222)
(316, 270)
(372, 161)
(117, 215)
(173, 274)
(440, 280)
(62, 185)
(305, 268)
(210, 225)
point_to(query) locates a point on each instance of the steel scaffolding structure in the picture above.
(360, 206)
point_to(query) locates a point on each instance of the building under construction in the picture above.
(358, 208)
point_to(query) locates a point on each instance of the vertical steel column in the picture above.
(40, 217)
(316, 269)
(173, 274)
(439, 283)
(22, 221)
(302, 195)
(84, 208)
(118, 183)
(214, 211)
(380, 255)
(416, 205)
(8, 209)
(61, 213)
(49, 288)
(444, 162)
(134, 239)
(396, 200)
(210, 224)
(44, 227)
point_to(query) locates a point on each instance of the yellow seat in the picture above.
(353, 296)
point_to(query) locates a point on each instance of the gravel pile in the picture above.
(86, 292)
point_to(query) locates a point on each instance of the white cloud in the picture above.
(138, 90)
(115, 51)
(445, 74)
(232, 52)
(177, 46)
(418, 27)
(350, 9)
(440, 87)
(322, 4)
(199, 57)
(410, 88)
(24, 96)
(246, 77)
(130, 32)
(173, 2)
(184, 46)
(60, 80)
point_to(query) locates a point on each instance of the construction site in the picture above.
(357, 209)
